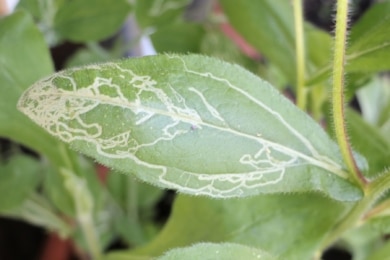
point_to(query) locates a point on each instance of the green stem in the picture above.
(91, 237)
(373, 191)
(300, 54)
(338, 92)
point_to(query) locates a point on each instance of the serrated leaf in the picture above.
(190, 123)
(273, 223)
(226, 251)
(90, 20)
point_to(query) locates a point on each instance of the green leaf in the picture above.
(136, 202)
(55, 186)
(381, 253)
(268, 25)
(24, 58)
(367, 238)
(178, 38)
(91, 20)
(273, 223)
(159, 13)
(226, 251)
(369, 46)
(122, 186)
(370, 41)
(368, 141)
(190, 123)
(216, 44)
(18, 178)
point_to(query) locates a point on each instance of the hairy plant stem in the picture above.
(338, 93)
(357, 214)
(300, 55)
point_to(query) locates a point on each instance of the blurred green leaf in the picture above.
(273, 223)
(164, 119)
(123, 186)
(178, 38)
(319, 47)
(216, 44)
(18, 178)
(367, 238)
(268, 25)
(226, 251)
(91, 20)
(369, 47)
(24, 58)
(368, 141)
(159, 13)
(370, 41)
(59, 194)
(136, 202)
(381, 253)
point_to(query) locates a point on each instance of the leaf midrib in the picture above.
(314, 161)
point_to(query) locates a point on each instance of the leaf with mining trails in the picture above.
(190, 123)
(227, 251)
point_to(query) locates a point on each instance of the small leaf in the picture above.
(369, 46)
(368, 141)
(90, 20)
(370, 41)
(226, 251)
(18, 178)
(190, 123)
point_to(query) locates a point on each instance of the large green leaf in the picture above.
(91, 20)
(226, 251)
(191, 123)
(24, 58)
(290, 226)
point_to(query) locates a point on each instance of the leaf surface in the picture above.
(267, 25)
(227, 251)
(190, 123)
(369, 141)
(24, 59)
(18, 178)
(369, 47)
(272, 223)
(90, 20)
